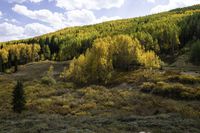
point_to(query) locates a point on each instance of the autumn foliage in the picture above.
(109, 54)
(12, 55)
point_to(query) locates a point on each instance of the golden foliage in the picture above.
(108, 53)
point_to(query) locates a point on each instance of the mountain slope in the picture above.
(165, 33)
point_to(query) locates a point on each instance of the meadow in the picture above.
(140, 100)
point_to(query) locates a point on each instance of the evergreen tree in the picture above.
(18, 98)
(47, 52)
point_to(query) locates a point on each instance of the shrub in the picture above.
(50, 71)
(48, 80)
(195, 53)
(147, 87)
(150, 60)
(185, 79)
(176, 91)
(166, 90)
(88, 106)
(18, 98)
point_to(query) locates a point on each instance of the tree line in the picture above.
(13, 55)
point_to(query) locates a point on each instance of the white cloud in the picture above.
(35, 1)
(22, 1)
(80, 17)
(36, 29)
(85, 17)
(152, 1)
(59, 20)
(88, 4)
(9, 31)
(1, 14)
(71, 18)
(56, 20)
(53, 20)
(13, 32)
(11, 21)
(104, 18)
(174, 4)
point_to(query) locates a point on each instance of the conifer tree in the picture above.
(18, 98)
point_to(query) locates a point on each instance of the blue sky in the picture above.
(27, 18)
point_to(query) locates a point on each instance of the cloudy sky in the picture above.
(27, 18)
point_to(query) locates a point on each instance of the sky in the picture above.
(28, 18)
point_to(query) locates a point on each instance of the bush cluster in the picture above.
(107, 55)
(48, 78)
(176, 90)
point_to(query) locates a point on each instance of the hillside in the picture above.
(165, 33)
(132, 75)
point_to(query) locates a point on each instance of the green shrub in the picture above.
(149, 59)
(184, 79)
(176, 91)
(197, 94)
(195, 53)
(166, 90)
(147, 87)
(48, 80)
(9, 71)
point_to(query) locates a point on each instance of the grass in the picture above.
(185, 79)
(34, 123)
(120, 106)
(172, 90)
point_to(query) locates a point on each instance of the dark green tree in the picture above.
(47, 52)
(18, 98)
